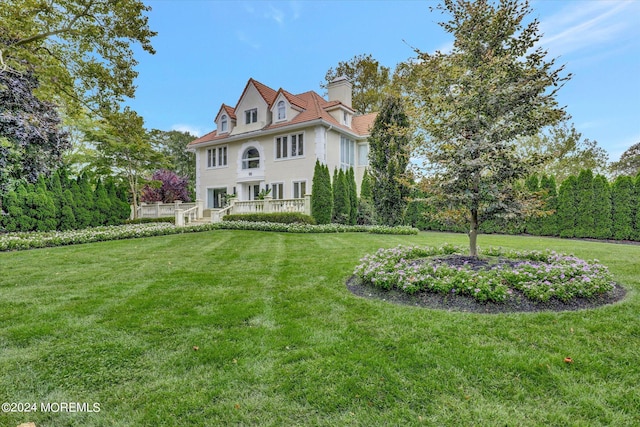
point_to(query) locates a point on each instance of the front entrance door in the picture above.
(215, 198)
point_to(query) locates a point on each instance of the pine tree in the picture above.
(120, 208)
(341, 204)
(567, 207)
(83, 196)
(601, 208)
(622, 208)
(584, 201)
(353, 196)
(321, 194)
(549, 222)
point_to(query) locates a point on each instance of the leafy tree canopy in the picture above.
(369, 80)
(565, 152)
(80, 50)
(473, 103)
(629, 163)
(31, 138)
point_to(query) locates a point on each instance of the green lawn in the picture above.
(282, 342)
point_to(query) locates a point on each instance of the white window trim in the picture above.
(284, 189)
(251, 110)
(346, 165)
(224, 120)
(289, 156)
(293, 186)
(284, 111)
(217, 157)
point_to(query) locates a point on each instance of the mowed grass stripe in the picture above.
(281, 341)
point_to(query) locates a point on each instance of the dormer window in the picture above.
(251, 116)
(282, 113)
(224, 124)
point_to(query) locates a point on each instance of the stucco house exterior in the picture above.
(270, 140)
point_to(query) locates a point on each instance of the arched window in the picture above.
(223, 123)
(281, 111)
(251, 159)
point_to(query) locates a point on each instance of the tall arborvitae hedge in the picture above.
(353, 195)
(341, 203)
(622, 198)
(584, 200)
(600, 209)
(51, 204)
(636, 213)
(567, 209)
(321, 194)
(549, 222)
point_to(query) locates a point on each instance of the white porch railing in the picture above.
(162, 210)
(268, 205)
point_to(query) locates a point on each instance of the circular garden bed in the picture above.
(497, 281)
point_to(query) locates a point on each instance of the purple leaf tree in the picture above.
(166, 186)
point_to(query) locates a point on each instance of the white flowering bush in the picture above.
(32, 240)
(539, 275)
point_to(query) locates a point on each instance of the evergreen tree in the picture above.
(102, 203)
(365, 186)
(584, 200)
(549, 222)
(388, 161)
(13, 209)
(66, 218)
(533, 223)
(321, 194)
(83, 197)
(601, 208)
(622, 197)
(567, 207)
(353, 196)
(54, 186)
(341, 204)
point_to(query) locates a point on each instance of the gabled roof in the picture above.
(231, 112)
(312, 107)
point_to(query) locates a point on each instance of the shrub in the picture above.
(321, 194)
(277, 217)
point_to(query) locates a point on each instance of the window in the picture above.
(277, 190)
(347, 153)
(282, 151)
(216, 198)
(217, 157)
(363, 154)
(251, 159)
(299, 189)
(223, 124)
(282, 114)
(285, 150)
(251, 116)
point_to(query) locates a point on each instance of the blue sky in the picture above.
(207, 50)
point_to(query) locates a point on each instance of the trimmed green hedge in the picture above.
(278, 217)
(170, 220)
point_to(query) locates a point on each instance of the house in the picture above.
(269, 141)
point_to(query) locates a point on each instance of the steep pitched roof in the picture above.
(311, 105)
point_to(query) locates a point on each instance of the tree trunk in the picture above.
(473, 234)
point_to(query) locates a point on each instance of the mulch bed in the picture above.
(515, 303)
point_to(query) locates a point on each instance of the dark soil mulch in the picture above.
(516, 302)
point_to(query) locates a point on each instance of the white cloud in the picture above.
(586, 25)
(275, 14)
(193, 130)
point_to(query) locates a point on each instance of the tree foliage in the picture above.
(341, 202)
(389, 153)
(623, 201)
(321, 194)
(80, 50)
(31, 138)
(166, 186)
(472, 104)
(565, 152)
(173, 144)
(629, 163)
(369, 80)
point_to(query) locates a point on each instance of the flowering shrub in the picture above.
(539, 275)
(31, 240)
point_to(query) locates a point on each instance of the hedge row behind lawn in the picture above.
(278, 217)
(32, 240)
